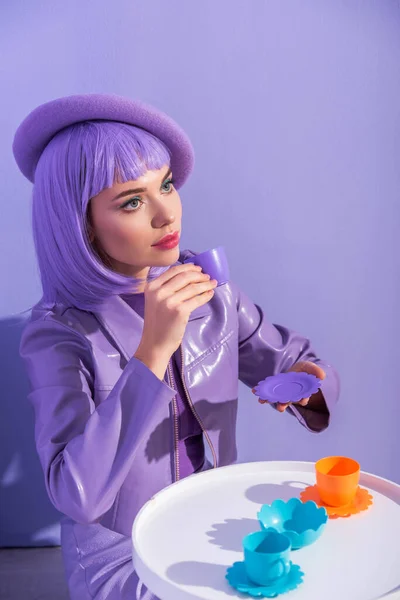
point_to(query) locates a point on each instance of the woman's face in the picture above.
(127, 219)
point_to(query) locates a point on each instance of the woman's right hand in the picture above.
(169, 301)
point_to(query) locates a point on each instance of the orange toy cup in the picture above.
(337, 479)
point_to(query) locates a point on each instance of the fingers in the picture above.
(282, 406)
(279, 406)
(261, 401)
(173, 272)
(194, 289)
(303, 402)
(308, 367)
(182, 282)
(197, 301)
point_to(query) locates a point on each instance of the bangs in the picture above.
(113, 152)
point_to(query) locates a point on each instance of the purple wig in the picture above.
(77, 164)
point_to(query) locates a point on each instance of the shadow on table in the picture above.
(266, 493)
(229, 534)
(200, 574)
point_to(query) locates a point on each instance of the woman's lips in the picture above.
(171, 242)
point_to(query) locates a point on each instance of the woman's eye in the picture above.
(169, 183)
(135, 204)
(130, 206)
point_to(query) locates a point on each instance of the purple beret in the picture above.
(38, 128)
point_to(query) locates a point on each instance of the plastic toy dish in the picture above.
(237, 578)
(287, 387)
(214, 262)
(301, 522)
(361, 501)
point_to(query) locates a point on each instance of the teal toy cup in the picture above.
(266, 556)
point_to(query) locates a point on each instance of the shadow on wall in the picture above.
(27, 517)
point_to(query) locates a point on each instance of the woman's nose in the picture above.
(163, 217)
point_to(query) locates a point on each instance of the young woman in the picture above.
(133, 357)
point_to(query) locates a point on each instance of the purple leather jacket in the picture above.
(105, 426)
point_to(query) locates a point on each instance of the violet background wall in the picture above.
(293, 109)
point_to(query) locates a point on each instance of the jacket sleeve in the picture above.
(85, 450)
(266, 349)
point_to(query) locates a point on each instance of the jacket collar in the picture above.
(125, 326)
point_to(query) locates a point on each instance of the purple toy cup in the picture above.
(214, 263)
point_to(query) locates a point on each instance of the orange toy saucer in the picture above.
(362, 501)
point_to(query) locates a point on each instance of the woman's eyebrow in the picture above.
(138, 190)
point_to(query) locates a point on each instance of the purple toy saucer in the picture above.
(287, 387)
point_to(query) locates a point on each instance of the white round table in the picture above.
(186, 536)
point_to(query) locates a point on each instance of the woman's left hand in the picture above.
(300, 367)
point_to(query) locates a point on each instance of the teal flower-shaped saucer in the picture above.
(237, 578)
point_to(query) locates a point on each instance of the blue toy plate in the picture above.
(237, 578)
(301, 522)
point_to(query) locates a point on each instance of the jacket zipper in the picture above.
(176, 424)
(194, 412)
